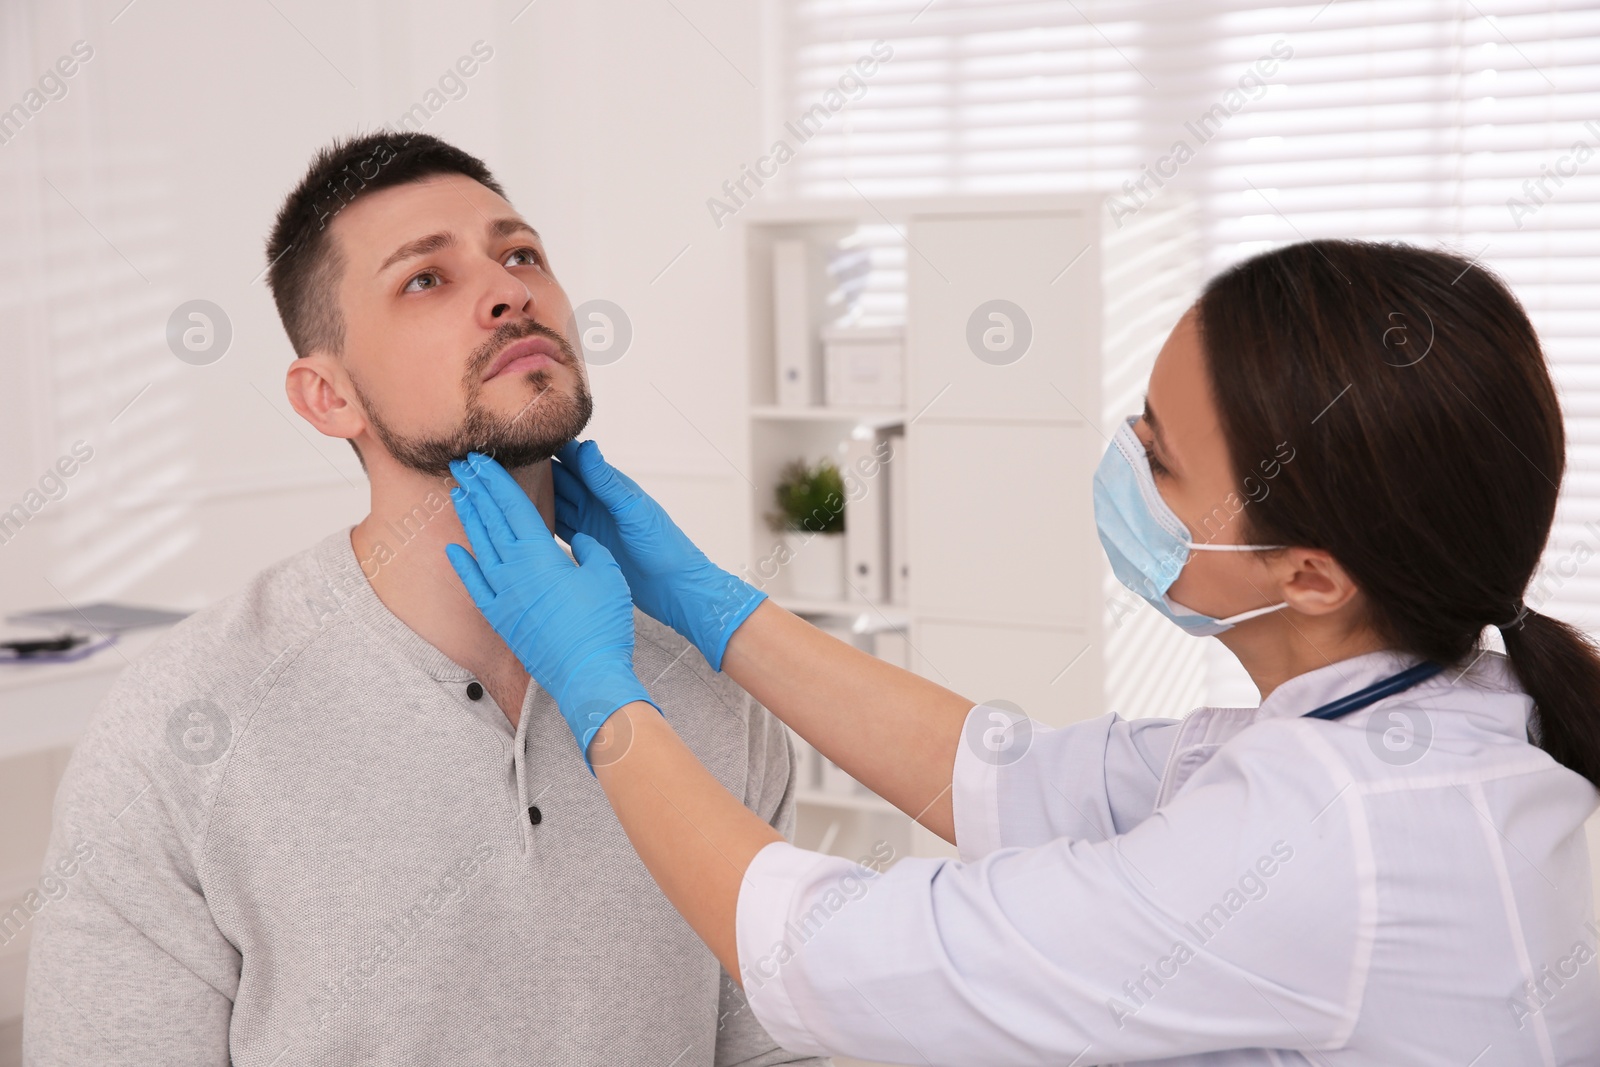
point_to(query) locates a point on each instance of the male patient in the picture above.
(329, 820)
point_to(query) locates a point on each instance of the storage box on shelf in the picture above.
(864, 366)
(976, 351)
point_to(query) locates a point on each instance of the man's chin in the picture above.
(531, 433)
(515, 431)
(514, 454)
(434, 458)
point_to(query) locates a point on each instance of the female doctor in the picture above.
(1346, 468)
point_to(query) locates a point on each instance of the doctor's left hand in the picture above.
(571, 626)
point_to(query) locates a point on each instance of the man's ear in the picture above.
(1312, 581)
(319, 390)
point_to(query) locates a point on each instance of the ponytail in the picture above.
(1307, 346)
(1558, 666)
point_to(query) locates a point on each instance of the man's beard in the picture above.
(548, 420)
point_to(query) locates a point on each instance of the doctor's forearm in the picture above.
(695, 838)
(890, 729)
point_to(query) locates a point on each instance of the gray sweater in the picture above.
(291, 835)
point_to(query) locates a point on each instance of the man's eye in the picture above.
(412, 287)
(1156, 466)
(534, 258)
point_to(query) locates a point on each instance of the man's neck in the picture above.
(400, 545)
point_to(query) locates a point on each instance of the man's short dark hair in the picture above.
(304, 264)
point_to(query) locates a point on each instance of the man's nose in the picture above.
(509, 295)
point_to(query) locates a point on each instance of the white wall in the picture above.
(155, 179)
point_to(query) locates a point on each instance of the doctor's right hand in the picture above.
(670, 578)
(570, 626)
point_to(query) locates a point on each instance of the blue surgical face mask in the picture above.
(1147, 543)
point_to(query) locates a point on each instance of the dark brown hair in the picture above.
(305, 264)
(1428, 445)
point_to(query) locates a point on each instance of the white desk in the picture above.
(44, 708)
(47, 705)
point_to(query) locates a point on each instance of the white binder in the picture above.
(866, 520)
(798, 378)
(899, 565)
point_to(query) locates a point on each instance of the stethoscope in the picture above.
(1384, 687)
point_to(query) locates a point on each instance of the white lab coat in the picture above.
(1409, 884)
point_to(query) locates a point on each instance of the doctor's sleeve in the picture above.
(125, 963)
(1023, 783)
(1171, 939)
(769, 792)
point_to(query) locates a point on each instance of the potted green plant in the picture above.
(810, 516)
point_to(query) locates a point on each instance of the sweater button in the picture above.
(534, 816)
(474, 691)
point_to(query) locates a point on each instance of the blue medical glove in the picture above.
(570, 626)
(671, 579)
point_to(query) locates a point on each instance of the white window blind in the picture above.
(1470, 124)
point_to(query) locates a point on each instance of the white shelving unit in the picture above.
(1009, 597)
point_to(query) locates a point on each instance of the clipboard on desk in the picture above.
(74, 633)
(104, 616)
